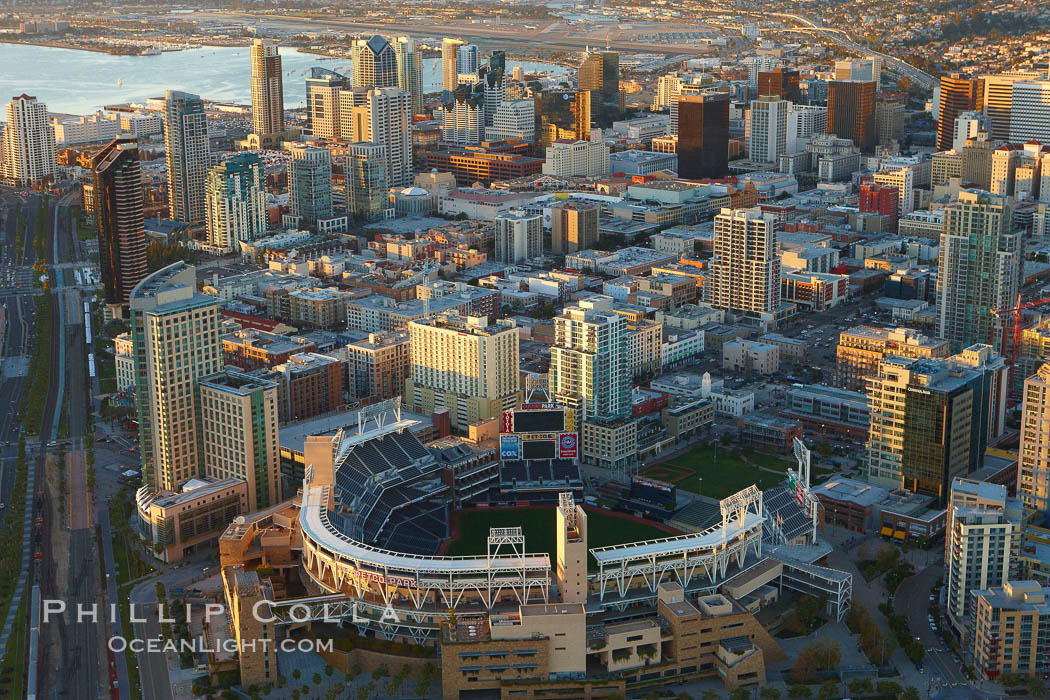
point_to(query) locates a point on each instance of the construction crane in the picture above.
(1018, 312)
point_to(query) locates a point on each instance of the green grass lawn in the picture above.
(538, 526)
(716, 471)
(14, 657)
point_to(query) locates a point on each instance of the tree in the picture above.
(888, 688)
(709, 695)
(915, 652)
(770, 693)
(317, 679)
(861, 686)
(740, 694)
(799, 691)
(1036, 687)
(295, 694)
(829, 690)
(909, 693)
(297, 674)
(328, 670)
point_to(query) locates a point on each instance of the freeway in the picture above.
(843, 39)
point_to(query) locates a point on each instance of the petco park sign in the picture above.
(364, 577)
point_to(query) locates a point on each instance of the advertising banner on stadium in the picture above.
(508, 422)
(567, 446)
(509, 447)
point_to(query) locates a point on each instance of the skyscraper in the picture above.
(322, 102)
(449, 72)
(519, 237)
(175, 331)
(703, 135)
(29, 142)
(464, 364)
(773, 129)
(374, 63)
(463, 115)
(1030, 111)
(410, 71)
(309, 184)
(851, 111)
(959, 93)
(236, 201)
(187, 154)
(996, 99)
(980, 266)
(600, 72)
(466, 59)
(1033, 477)
(967, 124)
(780, 82)
(118, 195)
(920, 426)
(366, 179)
(865, 70)
(384, 118)
(493, 77)
(238, 419)
(589, 368)
(744, 274)
(267, 88)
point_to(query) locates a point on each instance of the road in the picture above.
(913, 601)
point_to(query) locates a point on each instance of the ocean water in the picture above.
(80, 82)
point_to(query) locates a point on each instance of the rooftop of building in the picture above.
(841, 488)
(236, 383)
(293, 436)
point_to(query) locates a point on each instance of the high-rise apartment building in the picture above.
(187, 155)
(449, 73)
(703, 135)
(600, 72)
(980, 266)
(267, 88)
(463, 115)
(779, 82)
(236, 201)
(493, 78)
(117, 195)
(175, 331)
(977, 157)
(773, 129)
(958, 94)
(860, 349)
(378, 366)
(385, 119)
(519, 237)
(466, 60)
(922, 415)
(366, 184)
(562, 114)
(309, 184)
(410, 71)
(1033, 476)
(374, 63)
(905, 177)
(982, 544)
(589, 361)
(322, 102)
(851, 111)
(566, 158)
(889, 120)
(238, 421)
(574, 227)
(464, 364)
(28, 142)
(744, 274)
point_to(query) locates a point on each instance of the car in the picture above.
(955, 658)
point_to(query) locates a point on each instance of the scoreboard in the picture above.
(539, 431)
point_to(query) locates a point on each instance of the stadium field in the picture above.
(603, 529)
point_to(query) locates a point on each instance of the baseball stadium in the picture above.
(359, 544)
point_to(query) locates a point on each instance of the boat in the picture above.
(120, 83)
(150, 51)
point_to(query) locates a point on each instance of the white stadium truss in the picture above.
(685, 556)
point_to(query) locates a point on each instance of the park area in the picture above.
(718, 470)
(603, 529)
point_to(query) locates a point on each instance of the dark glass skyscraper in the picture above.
(851, 111)
(118, 212)
(703, 135)
(781, 83)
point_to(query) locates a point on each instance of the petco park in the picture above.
(358, 544)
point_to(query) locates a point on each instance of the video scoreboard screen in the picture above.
(539, 421)
(538, 449)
